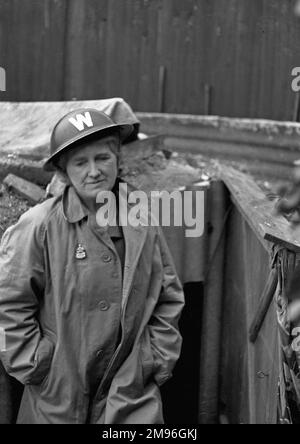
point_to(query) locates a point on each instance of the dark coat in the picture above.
(90, 345)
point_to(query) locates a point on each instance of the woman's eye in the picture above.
(80, 163)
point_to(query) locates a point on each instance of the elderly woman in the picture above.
(88, 314)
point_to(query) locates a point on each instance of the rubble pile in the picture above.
(11, 208)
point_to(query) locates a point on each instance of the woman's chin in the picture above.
(95, 188)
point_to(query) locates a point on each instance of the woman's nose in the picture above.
(94, 170)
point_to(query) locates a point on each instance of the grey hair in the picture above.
(60, 163)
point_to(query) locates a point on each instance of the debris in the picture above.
(142, 136)
(204, 183)
(12, 156)
(205, 177)
(11, 208)
(33, 193)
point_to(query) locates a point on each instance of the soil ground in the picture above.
(11, 208)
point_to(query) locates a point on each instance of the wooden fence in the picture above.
(224, 57)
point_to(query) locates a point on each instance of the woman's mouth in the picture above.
(97, 182)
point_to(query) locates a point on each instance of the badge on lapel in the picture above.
(80, 252)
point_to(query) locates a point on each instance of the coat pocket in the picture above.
(43, 359)
(146, 357)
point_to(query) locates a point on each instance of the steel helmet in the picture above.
(78, 124)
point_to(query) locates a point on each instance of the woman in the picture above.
(89, 315)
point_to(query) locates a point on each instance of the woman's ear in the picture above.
(62, 175)
(61, 168)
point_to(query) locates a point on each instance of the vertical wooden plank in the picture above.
(162, 86)
(212, 308)
(249, 372)
(234, 357)
(85, 73)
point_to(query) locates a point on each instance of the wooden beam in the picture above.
(281, 136)
(258, 211)
(28, 169)
(264, 305)
(29, 190)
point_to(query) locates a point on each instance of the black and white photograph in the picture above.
(149, 215)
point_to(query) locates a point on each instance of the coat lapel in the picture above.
(134, 242)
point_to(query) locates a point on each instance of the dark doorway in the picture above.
(181, 393)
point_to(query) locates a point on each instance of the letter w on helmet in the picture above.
(80, 120)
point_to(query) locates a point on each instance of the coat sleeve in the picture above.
(24, 352)
(165, 337)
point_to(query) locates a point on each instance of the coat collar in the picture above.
(72, 207)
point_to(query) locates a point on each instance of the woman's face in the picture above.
(93, 167)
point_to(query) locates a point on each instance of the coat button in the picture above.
(103, 305)
(106, 257)
(99, 353)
